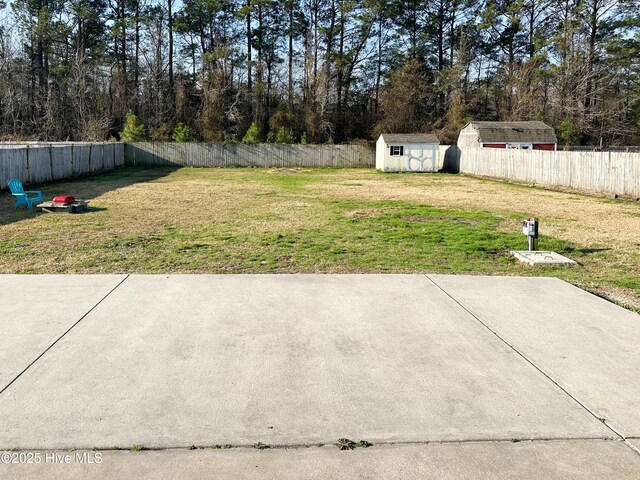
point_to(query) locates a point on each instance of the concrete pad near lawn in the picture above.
(541, 460)
(36, 309)
(170, 361)
(589, 346)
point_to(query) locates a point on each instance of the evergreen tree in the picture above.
(182, 134)
(283, 136)
(133, 130)
(253, 135)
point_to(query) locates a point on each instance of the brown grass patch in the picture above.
(364, 213)
(285, 171)
(424, 219)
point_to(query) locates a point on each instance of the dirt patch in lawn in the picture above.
(623, 296)
(286, 171)
(424, 219)
(364, 213)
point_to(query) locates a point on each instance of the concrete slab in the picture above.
(550, 460)
(538, 258)
(35, 310)
(588, 345)
(635, 442)
(300, 359)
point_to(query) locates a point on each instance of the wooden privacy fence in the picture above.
(243, 155)
(595, 172)
(37, 163)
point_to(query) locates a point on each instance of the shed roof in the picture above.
(410, 138)
(533, 131)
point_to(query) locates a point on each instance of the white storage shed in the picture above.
(407, 152)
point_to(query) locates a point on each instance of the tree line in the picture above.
(317, 70)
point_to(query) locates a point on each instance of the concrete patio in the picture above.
(447, 376)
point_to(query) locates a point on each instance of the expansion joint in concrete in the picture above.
(300, 446)
(534, 365)
(63, 335)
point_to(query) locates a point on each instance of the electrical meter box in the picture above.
(530, 227)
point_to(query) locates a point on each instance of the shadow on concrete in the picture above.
(86, 188)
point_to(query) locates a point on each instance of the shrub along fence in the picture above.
(594, 172)
(243, 155)
(41, 163)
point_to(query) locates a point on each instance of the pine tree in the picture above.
(133, 130)
(183, 134)
(283, 136)
(253, 135)
(568, 133)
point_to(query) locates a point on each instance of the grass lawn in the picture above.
(321, 220)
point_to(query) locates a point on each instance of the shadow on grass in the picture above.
(586, 251)
(86, 188)
(90, 210)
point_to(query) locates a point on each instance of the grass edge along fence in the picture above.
(243, 155)
(42, 163)
(593, 172)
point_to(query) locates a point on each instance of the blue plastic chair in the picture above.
(22, 197)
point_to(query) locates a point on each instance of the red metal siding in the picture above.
(544, 146)
(494, 145)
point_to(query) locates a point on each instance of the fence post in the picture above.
(28, 170)
(51, 161)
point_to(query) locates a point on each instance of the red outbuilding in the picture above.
(531, 135)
